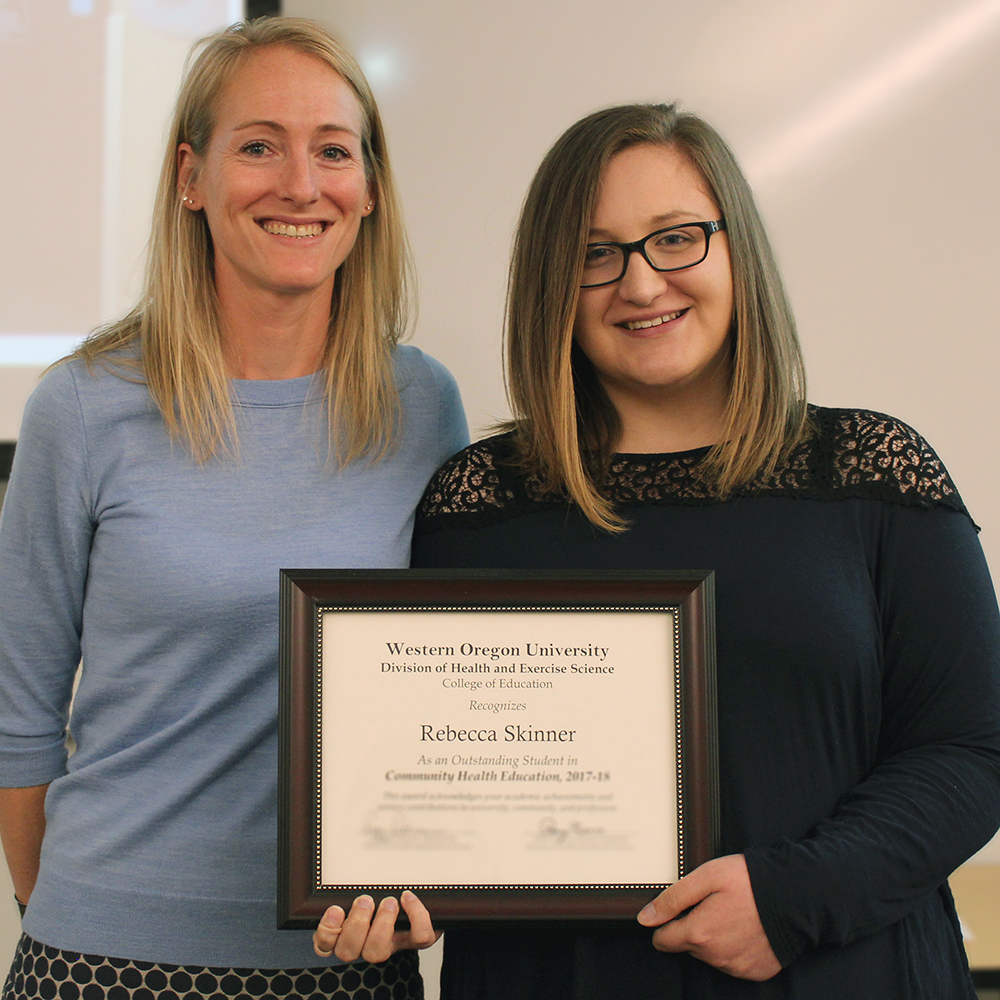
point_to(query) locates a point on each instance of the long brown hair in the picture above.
(565, 425)
(176, 325)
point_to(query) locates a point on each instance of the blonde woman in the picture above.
(660, 423)
(253, 412)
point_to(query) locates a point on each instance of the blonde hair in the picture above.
(565, 426)
(177, 325)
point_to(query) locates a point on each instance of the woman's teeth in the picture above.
(645, 324)
(284, 229)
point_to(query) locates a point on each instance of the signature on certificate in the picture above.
(410, 837)
(573, 835)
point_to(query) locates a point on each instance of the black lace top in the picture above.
(858, 679)
(850, 454)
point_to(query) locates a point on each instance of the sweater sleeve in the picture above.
(45, 535)
(453, 430)
(933, 797)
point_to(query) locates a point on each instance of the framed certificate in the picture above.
(509, 745)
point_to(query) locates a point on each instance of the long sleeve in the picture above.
(45, 536)
(933, 797)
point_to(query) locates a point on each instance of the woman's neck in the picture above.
(274, 336)
(651, 437)
(661, 421)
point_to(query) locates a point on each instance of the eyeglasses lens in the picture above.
(676, 248)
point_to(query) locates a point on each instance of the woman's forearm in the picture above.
(22, 826)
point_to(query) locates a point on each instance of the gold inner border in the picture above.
(672, 609)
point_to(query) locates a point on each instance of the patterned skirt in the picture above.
(40, 972)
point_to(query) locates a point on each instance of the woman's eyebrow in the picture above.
(278, 127)
(667, 218)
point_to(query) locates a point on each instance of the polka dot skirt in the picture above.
(51, 974)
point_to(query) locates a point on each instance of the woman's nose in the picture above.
(641, 283)
(299, 179)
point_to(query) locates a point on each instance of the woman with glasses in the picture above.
(660, 422)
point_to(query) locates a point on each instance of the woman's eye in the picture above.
(675, 239)
(255, 148)
(335, 153)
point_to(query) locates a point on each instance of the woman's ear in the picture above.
(187, 189)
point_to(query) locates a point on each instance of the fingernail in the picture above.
(648, 912)
(332, 917)
(365, 903)
(389, 903)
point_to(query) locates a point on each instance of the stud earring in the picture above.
(369, 206)
(187, 200)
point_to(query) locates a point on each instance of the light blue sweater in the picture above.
(162, 575)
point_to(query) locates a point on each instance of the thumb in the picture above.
(673, 901)
(326, 934)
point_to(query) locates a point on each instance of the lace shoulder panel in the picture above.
(861, 453)
(481, 484)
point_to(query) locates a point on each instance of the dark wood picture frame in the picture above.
(308, 593)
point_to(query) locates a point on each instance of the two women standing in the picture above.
(254, 412)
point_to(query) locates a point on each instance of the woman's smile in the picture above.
(300, 230)
(646, 324)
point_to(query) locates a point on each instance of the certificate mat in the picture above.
(509, 746)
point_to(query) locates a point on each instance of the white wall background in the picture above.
(868, 128)
(86, 86)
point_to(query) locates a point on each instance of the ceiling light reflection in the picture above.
(941, 42)
(380, 66)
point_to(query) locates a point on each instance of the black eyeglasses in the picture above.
(672, 249)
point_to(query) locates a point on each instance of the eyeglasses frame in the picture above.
(639, 247)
